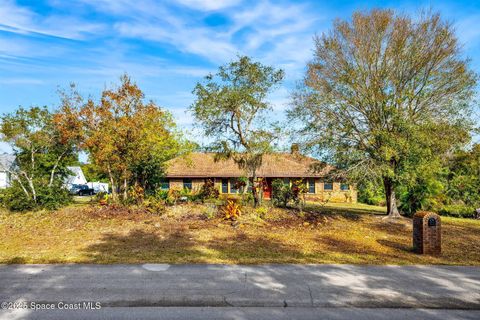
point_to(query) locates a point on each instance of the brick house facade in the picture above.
(192, 170)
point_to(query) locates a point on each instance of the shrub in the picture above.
(261, 212)
(457, 210)
(298, 190)
(208, 190)
(247, 198)
(173, 195)
(161, 194)
(102, 198)
(232, 210)
(154, 205)
(282, 194)
(136, 195)
(14, 199)
(53, 198)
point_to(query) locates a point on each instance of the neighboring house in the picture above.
(6, 163)
(76, 177)
(192, 170)
(98, 186)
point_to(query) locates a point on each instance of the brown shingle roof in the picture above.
(203, 165)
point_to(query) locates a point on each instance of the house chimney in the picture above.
(295, 149)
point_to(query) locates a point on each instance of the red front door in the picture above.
(267, 189)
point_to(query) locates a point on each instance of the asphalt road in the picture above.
(239, 292)
(258, 313)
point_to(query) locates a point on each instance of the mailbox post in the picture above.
(427, 233)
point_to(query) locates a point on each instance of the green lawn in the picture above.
(335, 233)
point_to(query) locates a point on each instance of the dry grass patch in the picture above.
(184, 234)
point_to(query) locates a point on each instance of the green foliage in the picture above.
(54, 197)
(463, 179)
(136, 195)
(422, 187)
(209, 190)
(459, 211)
(154, 205)
(161, 194)
(231, 108)
(281, 193)
(414, 111)
(93, 173)
(284, 193)
(371, 192)
(43, 148)
(261, 212)
(14, 199)
(50, 198)
(420, 196)
(127, 138)
(174, 195)
(299, 189)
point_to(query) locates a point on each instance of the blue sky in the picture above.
(166, 46)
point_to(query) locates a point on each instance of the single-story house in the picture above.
(192, 170)
(6, 164)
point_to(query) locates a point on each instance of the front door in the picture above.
(267, 188)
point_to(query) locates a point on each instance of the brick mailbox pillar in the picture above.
(427, 233)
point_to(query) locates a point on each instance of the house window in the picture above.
(187, 184)
(164, 184)
(233, 186)
(311, 185)
(328, 186)
(344, 187)
(224, 186)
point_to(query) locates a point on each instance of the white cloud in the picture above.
(208, 5)
(194, 40)
(21, 20)
(284, 28)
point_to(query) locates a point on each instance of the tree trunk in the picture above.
(17, 178)
(112, 182)
(125, 189)
(392, 210)
(52, 174)
(256, 200)
(32, 189)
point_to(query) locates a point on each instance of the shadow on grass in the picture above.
(396, 245)
(139, 246)
(15, 260)
(347, 212)
(352, 252)
(179, 246)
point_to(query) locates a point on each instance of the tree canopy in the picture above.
(42, 151)
(128, 139)
(386, 94)
(231, 107)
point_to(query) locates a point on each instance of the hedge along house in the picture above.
(192, 170)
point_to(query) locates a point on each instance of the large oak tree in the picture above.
(231, 107)
(386, 94)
